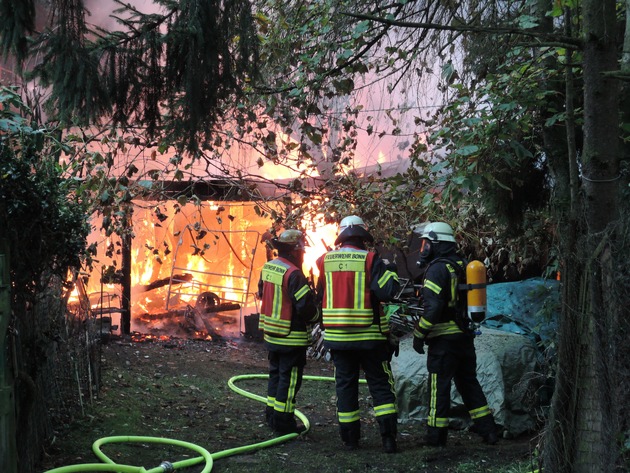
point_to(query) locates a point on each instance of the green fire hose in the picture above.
(205, 456)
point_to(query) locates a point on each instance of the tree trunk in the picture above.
(583, 425)
(8, 458)
(625, 86)
(600, 173)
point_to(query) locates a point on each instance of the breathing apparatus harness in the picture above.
(470, 293)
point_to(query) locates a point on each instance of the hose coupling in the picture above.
(167, 467)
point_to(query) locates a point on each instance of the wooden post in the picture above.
(8, 458)
(125, 316)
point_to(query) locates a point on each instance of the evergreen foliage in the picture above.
(17, 20)
(43, 219)
(172, 72)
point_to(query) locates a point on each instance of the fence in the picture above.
(55, 358)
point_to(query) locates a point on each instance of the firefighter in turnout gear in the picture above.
(445, 329)
(352, 283)
(288, 307)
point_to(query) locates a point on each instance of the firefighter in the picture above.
(288, 307)
(445, 329)
(353, 282)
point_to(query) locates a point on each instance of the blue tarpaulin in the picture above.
(520, 315)
(527, 307)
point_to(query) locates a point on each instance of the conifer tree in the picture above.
(171, 71)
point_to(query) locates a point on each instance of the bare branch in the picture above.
(556, 39)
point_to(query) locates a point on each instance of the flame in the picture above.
(137, 337)
(228, 262)
(236, 281)
(224, 259)
(320, 240)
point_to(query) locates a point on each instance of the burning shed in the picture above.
(190, 269)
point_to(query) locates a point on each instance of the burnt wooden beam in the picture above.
(125, 315)
(180, 278)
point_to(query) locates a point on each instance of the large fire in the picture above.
(194, 274)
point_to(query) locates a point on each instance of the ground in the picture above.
(178, 389)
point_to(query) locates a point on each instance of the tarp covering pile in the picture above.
(520, 315)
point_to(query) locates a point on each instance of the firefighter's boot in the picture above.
(437, 436)
(388, 426)
(350, 434)
(488, 430)
(285, 423)
(269, 416)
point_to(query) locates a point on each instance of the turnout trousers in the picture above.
(286, 369)
(378, 374)
(454, 360)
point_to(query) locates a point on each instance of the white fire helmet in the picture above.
(438, 231)
(351, 221)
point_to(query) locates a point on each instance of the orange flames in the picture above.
(200, 267)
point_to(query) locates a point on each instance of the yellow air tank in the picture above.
(476, 282)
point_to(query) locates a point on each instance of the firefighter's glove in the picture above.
(418, 345)
(393, 346)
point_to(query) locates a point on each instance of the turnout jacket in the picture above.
(352, 284)
(288, 304)
(440, 299)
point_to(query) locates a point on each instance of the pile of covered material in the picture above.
(511, 361)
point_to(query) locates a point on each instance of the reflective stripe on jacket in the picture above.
(276, 308)
(353, 280)
(347, 302)
(440, 300)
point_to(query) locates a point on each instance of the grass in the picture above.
(184, 395)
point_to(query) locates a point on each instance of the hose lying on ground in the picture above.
(207, 457)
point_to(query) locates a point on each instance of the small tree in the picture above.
(44, 225)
